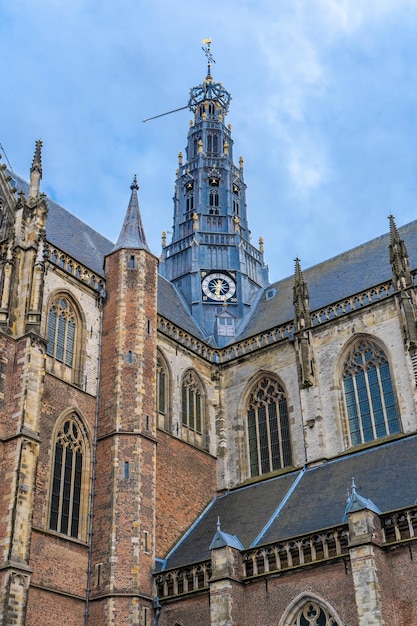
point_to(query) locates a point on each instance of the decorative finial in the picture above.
(301, 298)
(241, 162)
(399, 259)
(164, 238)
(261, 244)
(36, 171)
(218, 523)
(298, 270)
(134, 185)
(207, 52)
(180, 158)
(353, 484)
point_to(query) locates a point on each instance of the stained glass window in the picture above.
(369, 394)
(67, 480)
(268, 428)
(191, 403)
(61, 331)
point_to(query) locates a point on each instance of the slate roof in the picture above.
(305, 501)
(348, 273)
(173, 307)
(72, 235)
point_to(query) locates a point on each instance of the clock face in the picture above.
(218, 287)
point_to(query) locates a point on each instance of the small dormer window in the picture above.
(226, 326)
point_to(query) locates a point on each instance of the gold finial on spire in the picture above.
(207, 51)
(261, 244)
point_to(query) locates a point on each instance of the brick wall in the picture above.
(186, 483)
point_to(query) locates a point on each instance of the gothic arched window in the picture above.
(268, 428)
(69, 489)
(62, 323)
(369, 394)
(161, 386)
(192, 403)
(212, 143)
(190, 201)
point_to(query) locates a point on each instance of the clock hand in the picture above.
(218, 288)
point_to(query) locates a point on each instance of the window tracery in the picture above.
(369, 393)
(269, 442)
(214, 198)
(313, 615)
(61, 331)
(191, 403)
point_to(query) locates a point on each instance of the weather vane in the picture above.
(207, 51)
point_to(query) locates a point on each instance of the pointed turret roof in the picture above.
(356, 502)
(132, 234)
(222, 539)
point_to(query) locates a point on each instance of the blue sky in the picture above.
(324, 110)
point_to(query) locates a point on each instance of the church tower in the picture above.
(210, 259)
(123, 548)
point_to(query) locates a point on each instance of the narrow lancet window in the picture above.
(61, 331)
(67, 481)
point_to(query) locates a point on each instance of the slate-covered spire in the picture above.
(36, 171)
(399, 258)
(210, 258)
(132, 234)
(301, 299)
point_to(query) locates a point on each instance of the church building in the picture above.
(184, 443)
